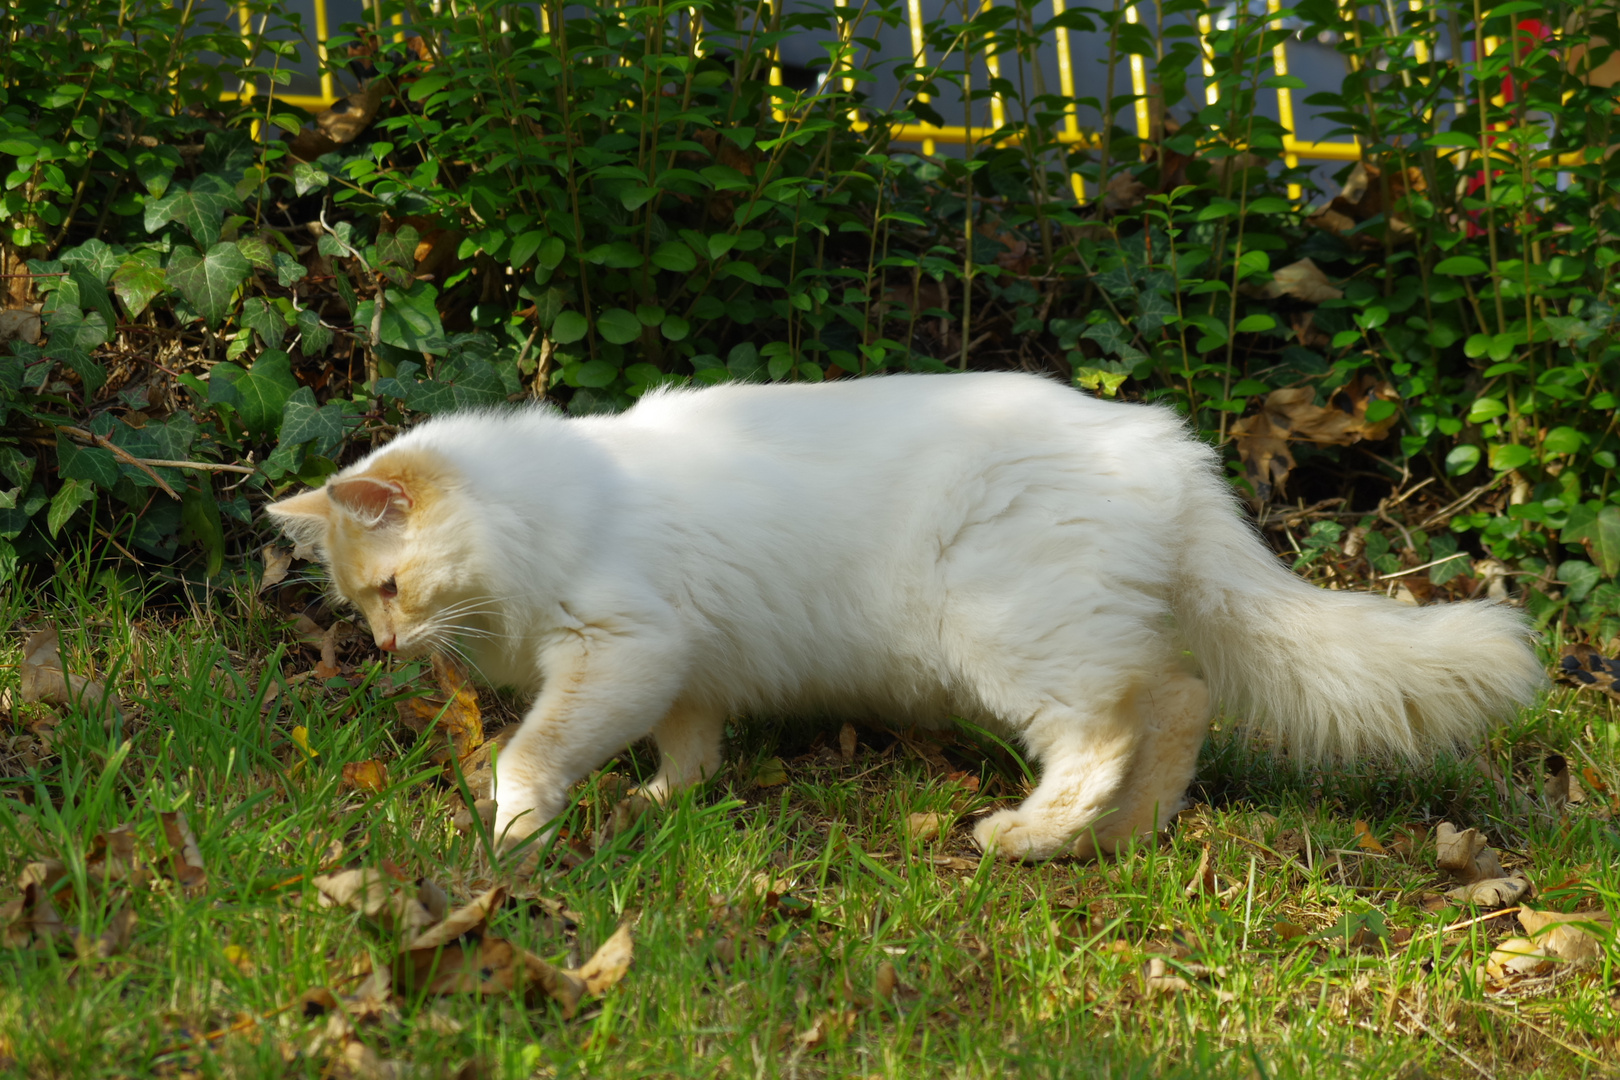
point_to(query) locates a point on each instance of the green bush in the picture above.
(587, 210)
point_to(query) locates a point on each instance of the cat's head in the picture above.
(398, 540)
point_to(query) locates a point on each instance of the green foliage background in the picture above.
(631, 203)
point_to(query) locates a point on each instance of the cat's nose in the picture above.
(390, 645)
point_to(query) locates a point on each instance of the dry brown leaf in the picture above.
(19, 324)
(485, 811)
(460, 956)
(1303, 280)
(886, 982)
(1566, 936)
(44, 680)
(111, 858)
(185, 858)
(924, 827)
(452, 715)
(625, 813)
(1158, 980)
(32, 916)
(1366, 841)
(392, 904)
(1465, 855)
(1203, 879)
(1492, 892)
(277, 561)
(608, 964)
(847, 742)
(1555, 787)
(953, 862)
(1409, 839)
(1517, 958)
(824, 1026)
(1292, 415)
(369, 776)
(347, 118)
(1585, 668)
(327, 667)
(113, 940)
(1367, 193)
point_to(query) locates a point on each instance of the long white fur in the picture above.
(993, 545)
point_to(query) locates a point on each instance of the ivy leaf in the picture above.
(260, 316)
(315, 338)
(1115, 339)
(155, 169)
(91, 464)
(74, 331)
(96, 256)
(69, 497)
(410, 319)
(208, 281)
(92, 293)
(396, 255)
(289, 271)
(136, 282)
(302, 421)
(200, 208)
(259, 395)
(258, 251)
(308, 178)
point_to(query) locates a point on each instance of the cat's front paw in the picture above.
(515, 823)
(1011, 834)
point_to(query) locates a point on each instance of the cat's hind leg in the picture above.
(1085, 759)
(688, 740)
(1174, 718)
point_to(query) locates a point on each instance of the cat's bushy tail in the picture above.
(1337, 674)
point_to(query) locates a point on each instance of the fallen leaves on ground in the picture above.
(923, 827)
(277, 561)
(184, 856)
(1585, 668)
(452, 717)
(1367, 193)
(1292, 415)
(45, 681)
(1469, 859)
(1302, 280)
(369, 776)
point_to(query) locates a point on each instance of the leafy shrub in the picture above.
(518, 205)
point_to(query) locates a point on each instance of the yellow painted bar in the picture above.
(919, 55)
(992, 62)
(1144, 123)
(1071, 117)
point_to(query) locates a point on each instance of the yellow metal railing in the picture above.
(928, 135)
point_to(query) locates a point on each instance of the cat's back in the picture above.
(902, 413)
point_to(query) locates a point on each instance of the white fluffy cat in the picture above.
(993, 546)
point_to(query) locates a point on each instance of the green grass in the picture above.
(1003, 970)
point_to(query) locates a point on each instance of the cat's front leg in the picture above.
(602, 691)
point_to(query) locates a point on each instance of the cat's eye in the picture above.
(389, 589)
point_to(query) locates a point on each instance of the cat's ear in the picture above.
(303, 518)
(372, 501)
